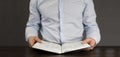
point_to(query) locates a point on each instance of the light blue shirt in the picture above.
(62, 21)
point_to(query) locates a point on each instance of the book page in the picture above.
(48, 46)
(67, 47)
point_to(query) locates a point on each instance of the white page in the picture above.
(67, 47)
(48, 46)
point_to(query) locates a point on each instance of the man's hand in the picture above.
(91, 42)
(32, 40)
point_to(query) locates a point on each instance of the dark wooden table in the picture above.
(110, 51)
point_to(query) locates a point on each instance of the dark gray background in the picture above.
(14, 15)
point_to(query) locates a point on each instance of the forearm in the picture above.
(89, 21)
(93, 32)
(32, 25)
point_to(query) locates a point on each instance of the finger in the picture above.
(92, 44)
(86, 41)
(88, 49)
(38, 39)
(31, 42)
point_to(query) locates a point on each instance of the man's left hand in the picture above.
(91, 42)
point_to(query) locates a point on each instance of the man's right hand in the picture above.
(32, 40)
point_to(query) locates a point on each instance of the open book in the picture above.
(59, 49)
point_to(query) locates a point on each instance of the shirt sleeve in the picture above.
(32, 25)
(89, 21)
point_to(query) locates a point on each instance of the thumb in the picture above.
(85, 41)
(38, 39)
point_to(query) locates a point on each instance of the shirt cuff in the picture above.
(30, 32)
(96, 38)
